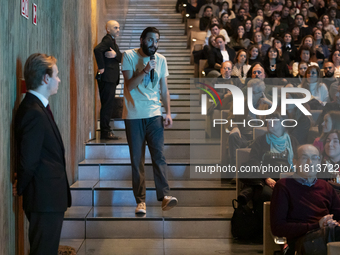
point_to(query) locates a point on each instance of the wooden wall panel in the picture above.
(68, 30)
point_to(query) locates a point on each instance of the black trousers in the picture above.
(44, 232)
(107, 92)
(150, 130)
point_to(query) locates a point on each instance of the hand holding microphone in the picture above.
(152, 72)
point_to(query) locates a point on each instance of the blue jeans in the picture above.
(138, 132)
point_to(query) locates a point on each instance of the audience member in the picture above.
(217, 56)
(312, 82)
(329, 77)
(253, 55)
(302, 70)
(305, 54)
(241, 67)
(215, 8)
(274, 66)
(239, 41)
(331, 121)
(303, 203)
(215, 31)
(335, 58)
(205, 20)
(288, 48)
(320, 47)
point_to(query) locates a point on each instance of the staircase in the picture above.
(103, 201)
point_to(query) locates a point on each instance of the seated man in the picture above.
(205, 20)
(303, 203)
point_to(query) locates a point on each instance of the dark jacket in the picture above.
(111, 65)
(42, 178)
(215, 56)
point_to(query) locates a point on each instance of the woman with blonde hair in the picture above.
(257, 23)
(311, 82)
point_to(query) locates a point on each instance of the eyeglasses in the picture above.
(312, 158)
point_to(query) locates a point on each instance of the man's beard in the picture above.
(148, 50)
(329, 74)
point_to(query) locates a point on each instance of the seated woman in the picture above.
(238, 41)
(275, 68)
(241, 67)
(258, 41)
(331, 122)
(226, 25)
(320, 47)
(267, 40)
(253, 55)
(302, 70)
(305, 53)
(327, 26)
(331, 157)
(248, 26)
(217, 56)
(288, 48)
(277, 43)
(311, 82)
(212, 44)
(225, 9)
(276, 147)
(257, 23)
(335, 58)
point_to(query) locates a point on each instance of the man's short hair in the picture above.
(214, 25)
(227, 62)
(149, 30)
(256, 83)
(36, 66)
(207, 7)
(299, 14)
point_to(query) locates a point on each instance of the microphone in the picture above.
(152, 72)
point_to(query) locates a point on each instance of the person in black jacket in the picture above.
(108, 58)
(274, 66)
(41, 170)
(217, 56)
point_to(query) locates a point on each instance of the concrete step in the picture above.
(168, 134)
(121, 222)
(155, 21)
(177, 124)
(146, 24)
(114, 169)
(173, 148)
(138, 31)
(162, 246)
(163, 37)
(119, 193)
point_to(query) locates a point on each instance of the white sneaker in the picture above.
(169, 202)
(141, 208)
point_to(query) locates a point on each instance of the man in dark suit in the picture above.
(41, 171)
(108, 58)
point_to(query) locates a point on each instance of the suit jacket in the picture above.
(42, 178)
(111, 65)
(215, 56)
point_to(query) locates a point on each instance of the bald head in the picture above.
(307, 161)
(112, 28)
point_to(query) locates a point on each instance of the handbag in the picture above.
(245, 223)
(315, 242)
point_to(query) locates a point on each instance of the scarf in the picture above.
(280, 144)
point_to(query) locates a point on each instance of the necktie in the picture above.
(49, 111)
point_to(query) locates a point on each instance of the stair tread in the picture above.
(147, 162)
(175, 185)
(153, 212)
(173, 141)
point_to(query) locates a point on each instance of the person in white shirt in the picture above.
(145, 83)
